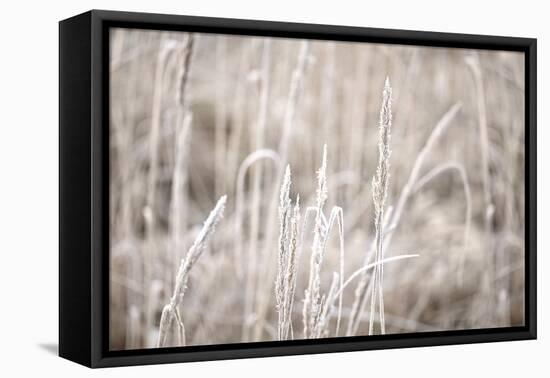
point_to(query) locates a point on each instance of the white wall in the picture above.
(29, 189)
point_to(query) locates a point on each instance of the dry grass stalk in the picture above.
(183, 74)
(362, 290)
(171, 318)
(179, 200)
(285, 208)
(393, 220)
(154, 136)
(186, 54)
(179, 210)
(365, 285)
(326, 307)
(238, 109)
(312, 302)
(296, 88)
(380, 185)
(285, 284)
(361, 273)
(459, 168)
(149, 211)
(265, 278)
(257, 174)
(247, 271)
(337, 214)
(475, 66)
(484, 147)
(184, 117)
(244, 168)
(367, 267)
(317, 307)
(407, 190)
(220, 115)
(379, 192)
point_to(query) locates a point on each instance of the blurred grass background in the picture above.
(451, 285)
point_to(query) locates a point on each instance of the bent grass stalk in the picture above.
(459, 168)
(171, 318)
(257, 173)
(367, 267)
(249, 161)
(407, 190)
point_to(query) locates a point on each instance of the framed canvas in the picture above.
(235, 188)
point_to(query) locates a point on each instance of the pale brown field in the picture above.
(412, 219)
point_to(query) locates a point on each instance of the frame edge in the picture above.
(75, 334)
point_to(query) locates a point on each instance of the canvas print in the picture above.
(265, 189)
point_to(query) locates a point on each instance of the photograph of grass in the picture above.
(265, 189)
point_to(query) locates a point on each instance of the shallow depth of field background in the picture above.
(451, 285)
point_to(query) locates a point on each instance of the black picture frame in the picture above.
(84, 190)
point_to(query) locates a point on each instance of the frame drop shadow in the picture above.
(52, 348)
